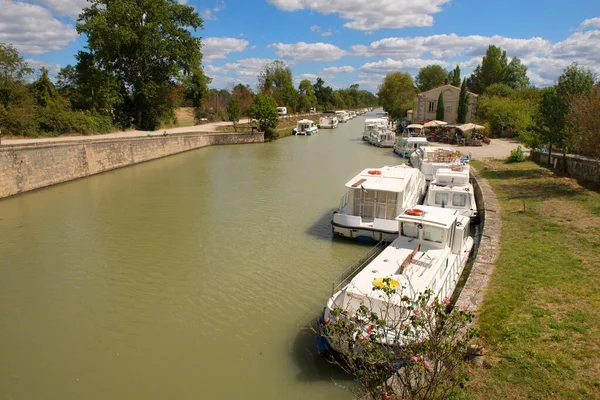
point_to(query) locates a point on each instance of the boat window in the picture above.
(410, 229)
(459, 199)
(433, 234)
(441, 198)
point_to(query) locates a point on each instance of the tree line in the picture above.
(140, 64)
(508, 105)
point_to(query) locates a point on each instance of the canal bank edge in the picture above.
(26, 168)
(473, 293)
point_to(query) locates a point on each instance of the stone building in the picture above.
(425, 104)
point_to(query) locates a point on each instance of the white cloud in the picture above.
(328, 33)
(336, 70)
(32, 29)
(219, 47)
(53, 68)
(450, 45)
(315, 28)
(582, 46)
(308, 51)
(207, 15)
(70, 8)
(590, 22)
(371, 15)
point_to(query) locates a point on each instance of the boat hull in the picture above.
(361, 234)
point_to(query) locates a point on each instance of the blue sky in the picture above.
(343, 41)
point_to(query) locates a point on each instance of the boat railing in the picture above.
(344, 201)
(346, 276)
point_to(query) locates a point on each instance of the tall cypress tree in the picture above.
(463, 103)
(439, 115)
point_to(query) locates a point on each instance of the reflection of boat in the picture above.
(374, 198)
(429, 159)
(328, 122)
(430, 253)
(450, 188)
(305, 127)
(406, 145)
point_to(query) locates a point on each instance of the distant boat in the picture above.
(305, 127)
(328, 122)
(375, 197)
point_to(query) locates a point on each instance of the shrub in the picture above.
(516, 155)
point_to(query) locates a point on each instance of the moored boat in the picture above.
(450, 188)
(342, 116)
(328, 122)
(406, 145)
(429, 159)
(305, 127)
(375, 197)
(429, 255)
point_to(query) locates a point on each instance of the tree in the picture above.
(324, 94)
(264, 110)
(306, 96)
(196, 86)
(439, 115)
(454, 77)
(276, 80)
(244, 95)
(583, 124)
(396, 94)
(500, 90)
(492, 70)
(430, 77)
(555, 105)
(431, 348)
(234, 112)
(463, 103)
(12, 71)
(148, 45)
(516, 74)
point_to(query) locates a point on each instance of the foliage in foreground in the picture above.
(516, 155)
(426, 360)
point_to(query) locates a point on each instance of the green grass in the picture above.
(541, 315)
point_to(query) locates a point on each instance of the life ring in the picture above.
(415, 212)
(374, 172)
(456, 169)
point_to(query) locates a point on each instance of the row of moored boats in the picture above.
(329, 120)
(425, 212)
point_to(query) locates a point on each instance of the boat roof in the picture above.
(390, 179)
(305, 121)
(436, 216)
(415, 139)
(460, 173)
(419, 126)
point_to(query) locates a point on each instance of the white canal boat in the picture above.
(385, 138)
(375, 197)
(372, 127)
(305, 127)
(328, 122)
(406, 145)
(450, 188)
(429, 159)
(429, 254)
(342, 116)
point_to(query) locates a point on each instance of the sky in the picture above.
(343, 41)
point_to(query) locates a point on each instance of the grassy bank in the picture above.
(541, 316)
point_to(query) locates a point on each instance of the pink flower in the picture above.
(414, 359)
(446, 301)
(416, 312)
(465, 308)
(388, 397)
(426, 364)
(369, 329)
(327, 320)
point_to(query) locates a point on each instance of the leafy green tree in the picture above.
(583, 124)
(234, 112)
(555, 105)
(396, 94)
(196, 86)
(306, 96)
(244, 95)
(500, 90)
(276, 80)
(264, 110)
(516, 74)
(463, 103)
(492, 70)
(508, 116)
(454, 77)
(148, 45)
(12, 71)
(439, 114)
(430, 77)
(324, 94)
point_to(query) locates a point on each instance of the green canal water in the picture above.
(188, 277)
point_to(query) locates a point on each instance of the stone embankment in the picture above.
(25, 168)
(584, 169)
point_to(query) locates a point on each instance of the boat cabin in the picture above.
(305, 127)
(450, 188)
(406, 145)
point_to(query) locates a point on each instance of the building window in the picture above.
(432, 107)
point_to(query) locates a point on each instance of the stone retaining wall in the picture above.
(473, 292)
(584, 169)
(25, 168)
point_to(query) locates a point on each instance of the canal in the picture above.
(187, 277)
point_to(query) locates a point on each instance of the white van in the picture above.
(282, 110)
